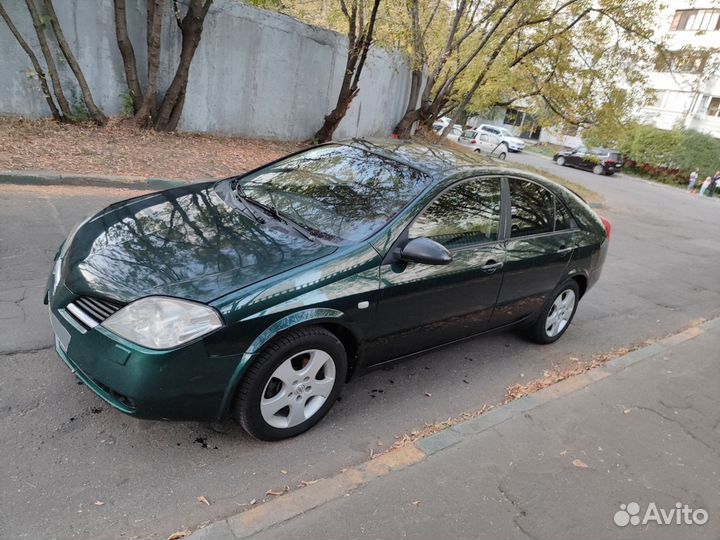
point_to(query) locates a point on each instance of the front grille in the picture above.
(92, 311)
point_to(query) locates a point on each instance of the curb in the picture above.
(48, 178)
(297, 502)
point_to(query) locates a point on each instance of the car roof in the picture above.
(444, 163)
(431, 159)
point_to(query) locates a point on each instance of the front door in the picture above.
(541, 244)
(422, 305)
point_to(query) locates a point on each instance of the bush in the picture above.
(667, 156)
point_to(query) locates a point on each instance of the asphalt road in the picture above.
(73, 467)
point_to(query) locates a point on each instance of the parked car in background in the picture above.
(597, 160)
(455, 131)
(514, 144)
(259, 296)
(484, 143)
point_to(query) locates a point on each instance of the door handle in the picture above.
(564, 250)
(491, 266)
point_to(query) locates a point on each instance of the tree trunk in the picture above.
(332, 120)
(191, 27)
(358, 48)
(404, 127)
(95, 112)
(36, 64)
(146, 112)
(128, 53)
(49, 61)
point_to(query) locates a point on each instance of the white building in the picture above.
(686, 84)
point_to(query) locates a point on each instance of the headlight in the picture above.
(159, 322)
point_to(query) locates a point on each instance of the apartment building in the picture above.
(686, 80)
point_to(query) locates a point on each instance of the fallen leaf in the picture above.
(283, 471)
(627, 411)
(563, 452)
(253, 501)
(579, 463)
(416, 503)
(305, 483)
(179, 534)
(428, 394)
(99, 503)
(276, 493)
(203, 500)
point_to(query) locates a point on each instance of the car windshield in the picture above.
(337, 193)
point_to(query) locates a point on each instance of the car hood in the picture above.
(190, 242)
(515, 140)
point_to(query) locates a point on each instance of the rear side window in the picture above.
(464, 215)
(534, 210)
(563, 220)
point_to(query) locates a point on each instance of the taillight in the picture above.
(608, 226)
(473, 141)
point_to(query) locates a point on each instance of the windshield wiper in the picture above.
(273, 211)
(244, 199)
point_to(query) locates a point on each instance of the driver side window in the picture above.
(467, 214)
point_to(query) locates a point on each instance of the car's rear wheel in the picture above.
(598, 169)
(557, 314)
(293, 383)
(561, 161)
(502, 156)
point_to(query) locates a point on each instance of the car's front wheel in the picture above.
(292, 384)
(557, 314)
(560, 161)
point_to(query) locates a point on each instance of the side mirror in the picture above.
(425, 251)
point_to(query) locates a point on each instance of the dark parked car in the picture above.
(260, 295)
(597, 160)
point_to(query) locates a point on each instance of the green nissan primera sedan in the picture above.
(259, 296)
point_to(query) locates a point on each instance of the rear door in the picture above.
(541, 244)
(423, 305)
(577, 157)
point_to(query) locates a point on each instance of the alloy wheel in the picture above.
(561, 161)
(298, 388)
(560, 313)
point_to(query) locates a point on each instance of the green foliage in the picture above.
(127, 99)
(665, 155)
(78, 110)
(698, 150)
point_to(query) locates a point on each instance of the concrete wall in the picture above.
(255, 74)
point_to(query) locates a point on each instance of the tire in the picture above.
(502, 156)
(598, 169)
(292, 384)
(561, 161)
(543, 331)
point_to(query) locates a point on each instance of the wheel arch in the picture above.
(327, 318)
(582, 282)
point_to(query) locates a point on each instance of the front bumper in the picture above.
(178, 384)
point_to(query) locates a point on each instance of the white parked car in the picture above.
(515, 144)
(484, 143)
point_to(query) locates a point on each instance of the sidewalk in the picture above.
(557, 464)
